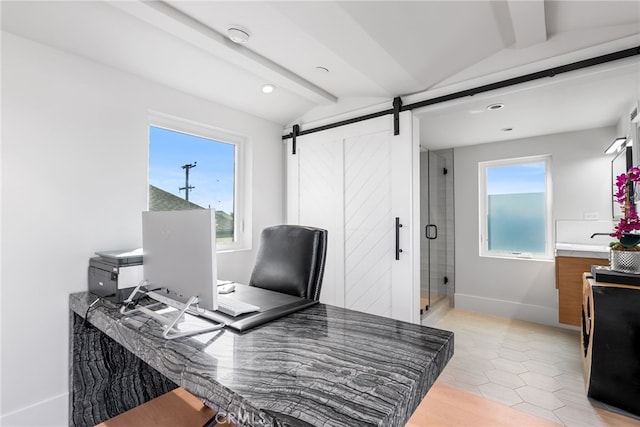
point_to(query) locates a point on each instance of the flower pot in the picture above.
(626, 261)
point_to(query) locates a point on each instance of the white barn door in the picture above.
(355, 181)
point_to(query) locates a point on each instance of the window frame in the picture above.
(483, 206)
(242, 197)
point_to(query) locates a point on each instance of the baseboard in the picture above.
(510, 309)
(49, 412)
(436, 312)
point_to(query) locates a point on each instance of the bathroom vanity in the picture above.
(572, 260)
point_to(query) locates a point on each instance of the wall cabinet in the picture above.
(569, 272)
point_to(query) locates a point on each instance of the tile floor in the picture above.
(527, 366)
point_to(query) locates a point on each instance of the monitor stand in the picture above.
(169, 323)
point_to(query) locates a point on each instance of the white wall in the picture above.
(525, 289)
(74, 174)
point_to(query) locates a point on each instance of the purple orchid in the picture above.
(630, 222)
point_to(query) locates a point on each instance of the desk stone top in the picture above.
(323, 366)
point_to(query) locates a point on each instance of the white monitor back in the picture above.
(179, 254)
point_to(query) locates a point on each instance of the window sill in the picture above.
(542, 258)
(231, 250)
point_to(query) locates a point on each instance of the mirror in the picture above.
(620, 164)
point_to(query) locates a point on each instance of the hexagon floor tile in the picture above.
(530, 367)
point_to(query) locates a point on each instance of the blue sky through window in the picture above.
(213, 176)
(516, 179)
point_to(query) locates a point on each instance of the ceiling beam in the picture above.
(183, 26)
(528, 21)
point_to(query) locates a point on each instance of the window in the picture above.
(515, 208)
(194, 166)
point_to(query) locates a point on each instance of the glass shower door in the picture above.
(436, 219)
(436, 230)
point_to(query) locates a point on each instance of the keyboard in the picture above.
(234, 307)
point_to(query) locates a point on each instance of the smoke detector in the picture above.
(238, 35)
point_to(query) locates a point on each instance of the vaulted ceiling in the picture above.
(373, 51)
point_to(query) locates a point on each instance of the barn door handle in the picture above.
(398, 250)
(428, 228)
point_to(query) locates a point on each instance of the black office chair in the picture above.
(291, 260)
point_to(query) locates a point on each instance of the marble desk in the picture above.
(323, 366)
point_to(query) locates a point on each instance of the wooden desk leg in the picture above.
(105, 379)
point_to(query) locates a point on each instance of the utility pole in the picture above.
(187, 187)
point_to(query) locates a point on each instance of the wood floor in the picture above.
(447, 406)
(178, 408)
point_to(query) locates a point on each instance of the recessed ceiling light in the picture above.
(322, 70)
(268, 88)
(238, 35)
(506, 129)
(493, 107)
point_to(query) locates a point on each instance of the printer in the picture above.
(114, 274)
